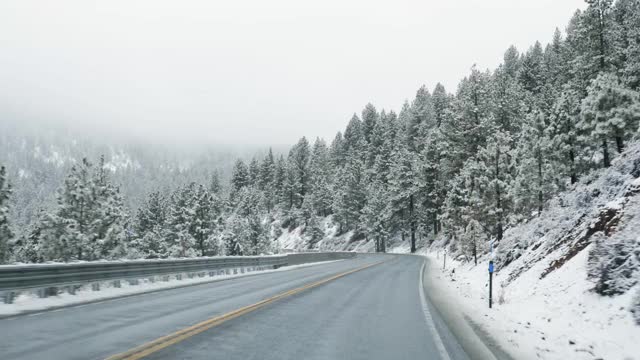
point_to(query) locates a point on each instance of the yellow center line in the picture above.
(180, 335)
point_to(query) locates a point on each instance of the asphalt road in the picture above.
(376, 312)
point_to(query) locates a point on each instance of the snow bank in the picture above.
(557, 317)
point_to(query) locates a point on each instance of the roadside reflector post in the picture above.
(444, 262)
(490, 283)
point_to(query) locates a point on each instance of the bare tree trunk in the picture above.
(572, 159)
(605, 154)
(435, 223)
(413, 225)
(540, 198)
(475, 251)
(619, 143)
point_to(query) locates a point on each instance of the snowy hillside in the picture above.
(568, 282)
(298, 240)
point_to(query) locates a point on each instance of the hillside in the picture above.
(567, 282)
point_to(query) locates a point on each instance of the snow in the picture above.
(30, 302)
(296, 240)
(556, 317)
(545, 306)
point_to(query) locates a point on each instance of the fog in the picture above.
(245, 72)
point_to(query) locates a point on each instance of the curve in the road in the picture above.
(172, 339)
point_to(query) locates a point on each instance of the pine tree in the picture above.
(5, 231)
(279, 182)
(111, 217)
(473, 238)
(609, 112)
(537, 178)
(421, 119)
(28, 247)
(404, 191)
(90, 218)
(235, 236)
(320, 171)
(597, 24)
(180, 230)
(239, 177)
(626, 41)
(492, 182)
(299, 164)
(533, 72)
(375, 216)
(207, 211)
(149, 227)
(336, 151)
(369, 119)
(350, 197)
(215, 187)
(563, 133)
(254, 172)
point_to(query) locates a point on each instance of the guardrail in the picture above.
(48, 277)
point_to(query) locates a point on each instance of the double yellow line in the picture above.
(178, 336)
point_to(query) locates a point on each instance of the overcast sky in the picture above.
(246, 71)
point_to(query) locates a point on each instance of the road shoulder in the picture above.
(475, 341)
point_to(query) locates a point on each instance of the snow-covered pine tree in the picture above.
(492, 179)
(110, 222)
(369, 119)
(532, 75)
(150, 226)
(626, 41)
(403, 189)
(421, 119)
(27, 247)
(180, 229)
(267, 181)
(376, 215)
(350, 193)
(254, 172)
(5, 231)
(215, 186)
(320, 179)
(299, 163)
(537, 178)
(235, 236)
(89, 220)
(610, 112)
(336, 151)
(258, 236)
(207, 211)
(279, 183)
(239, 178)
(474, 236)
(563, 134)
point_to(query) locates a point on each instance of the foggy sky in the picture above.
(246, 72)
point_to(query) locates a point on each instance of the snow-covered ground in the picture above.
(30, 302)
(548, 269)
(557, 317)
(297, 240)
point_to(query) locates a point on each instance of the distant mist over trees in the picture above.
(463, 163)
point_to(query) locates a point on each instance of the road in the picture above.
(366, 308)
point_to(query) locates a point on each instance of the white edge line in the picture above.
(444, 355)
